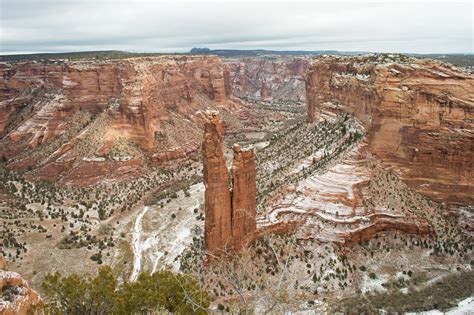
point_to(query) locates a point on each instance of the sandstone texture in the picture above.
(64, 115)
(419, 116)
(243, 196)
(218, 215)
(271, 79)
(383, 224)
(17, 298)
(230, 215)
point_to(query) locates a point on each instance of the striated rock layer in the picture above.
(366, 233)
(230, 216)
(70, 113)
(419, 115)
(140, 92)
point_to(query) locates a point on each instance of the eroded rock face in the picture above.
(419, 115)
(67, 111)
(217, 207)
(268, 79)
(230, 216)
(17, 298)
(140, 92)
(381, 224)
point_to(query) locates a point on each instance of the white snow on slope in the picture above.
(137, 244)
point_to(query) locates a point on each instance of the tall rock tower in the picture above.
(244, 198)
(230, 216)
(217, 207)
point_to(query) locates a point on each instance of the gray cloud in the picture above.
(150, 26)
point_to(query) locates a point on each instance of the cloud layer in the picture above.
(149, 26)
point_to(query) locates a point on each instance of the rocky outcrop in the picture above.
(368, 232)
(17, 298)
(279, 79)
(264, 93)
(230, 216)
(217, 207)
(419, 116)
(244, 196)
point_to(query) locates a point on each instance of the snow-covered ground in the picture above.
(137, 244)
(330, 196)
(261, 145)
(465, 307)
(161, 234)
(370, 285)
(93, 159)
(325, 190)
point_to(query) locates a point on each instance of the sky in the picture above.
(406, 26)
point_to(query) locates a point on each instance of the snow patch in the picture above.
(137, 244)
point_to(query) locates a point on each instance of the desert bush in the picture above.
(102, 294)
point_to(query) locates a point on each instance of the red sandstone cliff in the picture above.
(230, 216)
(72, 114)
(419, 115)
(141, 93)
(368, 232)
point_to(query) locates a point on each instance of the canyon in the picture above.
(99, 119)
(160, 162)
(419, 116)
(275, 78)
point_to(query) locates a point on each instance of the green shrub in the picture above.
(161, 291)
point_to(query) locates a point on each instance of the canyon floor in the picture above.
(339, 222)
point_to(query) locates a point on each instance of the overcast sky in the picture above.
(150, 26)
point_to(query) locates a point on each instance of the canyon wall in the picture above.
(149, 103)
(230, 215)
(418, 114)
(140, 92)
(275, 78)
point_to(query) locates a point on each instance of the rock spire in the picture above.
(230, 215)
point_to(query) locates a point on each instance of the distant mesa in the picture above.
(200, 50)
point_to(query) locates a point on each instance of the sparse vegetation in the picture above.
(160, 292)
(441, 295)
